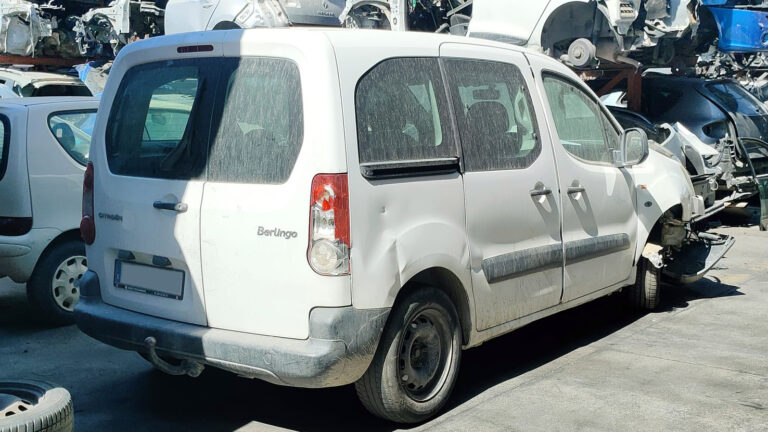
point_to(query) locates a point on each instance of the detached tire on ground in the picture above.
(644, 295)
(417, 361)
(35, 406)
(52, 289)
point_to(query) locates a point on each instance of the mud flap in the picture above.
(695, 259)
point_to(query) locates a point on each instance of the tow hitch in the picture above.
(694, 259)
(186, 367)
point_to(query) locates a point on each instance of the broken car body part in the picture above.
(34, 29)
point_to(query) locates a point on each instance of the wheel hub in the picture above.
(11, 405)
(65, 284)
(423, 357)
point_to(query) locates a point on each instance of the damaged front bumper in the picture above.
(694, 259)
(340, 347)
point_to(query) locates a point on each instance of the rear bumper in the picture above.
(341, 345)
(19, 254)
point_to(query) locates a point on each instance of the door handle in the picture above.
(576, 189)
(177, 207)
(541, 192)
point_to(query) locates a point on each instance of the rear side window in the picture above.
(224, 119)
(495, 115)
(5, 143)
(73, 131)
(402, 112)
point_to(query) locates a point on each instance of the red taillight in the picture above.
(87, 225)
(329, 237)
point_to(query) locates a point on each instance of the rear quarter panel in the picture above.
(56, 180)
(399, 227)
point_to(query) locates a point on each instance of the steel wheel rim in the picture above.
(11, 404)
(65, 283)
(425, 353)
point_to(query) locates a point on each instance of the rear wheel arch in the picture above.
(563, 25)
(66, 236)
(56, 273)
(446, 281)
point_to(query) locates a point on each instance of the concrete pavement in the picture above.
(701, 363)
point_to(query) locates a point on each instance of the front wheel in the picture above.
(644, 295)
(417, 361)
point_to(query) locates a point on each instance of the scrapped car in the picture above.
(75, 29)
(720, 113)
(45, 147)
(18, 83)
(197, 15)
(402, 196)
(741, 24)
(22, 25)
(104, 31)
(583, 32)
(708, 167)
(400, 15)
(579, 32)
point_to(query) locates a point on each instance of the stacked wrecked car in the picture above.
(60, 29)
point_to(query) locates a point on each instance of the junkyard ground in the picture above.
(700, 363)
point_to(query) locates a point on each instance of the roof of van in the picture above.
(360, 37)
(29, 101)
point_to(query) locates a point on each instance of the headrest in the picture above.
(488, 117)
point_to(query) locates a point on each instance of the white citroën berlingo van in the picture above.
(316, 208)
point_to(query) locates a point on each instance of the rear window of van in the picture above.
(228, 120)
(5, 143)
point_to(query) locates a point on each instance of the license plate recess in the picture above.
(147, 279)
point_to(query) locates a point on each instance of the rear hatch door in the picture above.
(149, 189)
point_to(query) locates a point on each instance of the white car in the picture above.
(17, 83)
(183, 16)
(582, 32)
(316, 208)
(42, 160)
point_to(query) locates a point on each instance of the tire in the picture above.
(644, 295)
(51, 290)
(422, 318)
(35, 406)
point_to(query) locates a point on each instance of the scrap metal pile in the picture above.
(57, 28)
